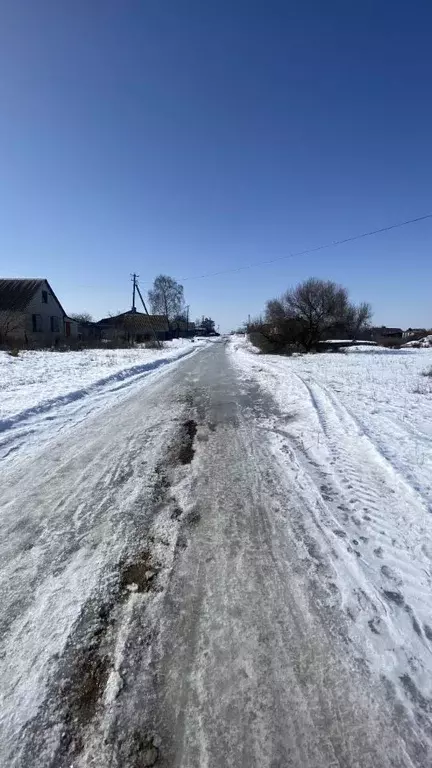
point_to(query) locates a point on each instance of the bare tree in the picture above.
(181, 317)
(280, 319)
(275, 311)
(10, 323)
(315, 310)
(359, 319)
(82, 317)
(166, 297)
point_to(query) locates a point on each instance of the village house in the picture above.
(414, 333)
(380, 334)
(133, 327)
(182, 328)
(30, 313)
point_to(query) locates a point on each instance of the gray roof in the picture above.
(15, 293)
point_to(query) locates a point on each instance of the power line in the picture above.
(308, 251)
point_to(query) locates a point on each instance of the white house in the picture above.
(30, 312)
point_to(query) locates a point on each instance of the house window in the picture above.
(37, 323)
(44, 297)
(55, 324)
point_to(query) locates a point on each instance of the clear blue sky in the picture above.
(192, 136)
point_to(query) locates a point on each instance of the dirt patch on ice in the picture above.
(138, 751)
(187, 452)
(162, 483)
(83, 691)
(138, 575)
(87, 670)
(88, 661)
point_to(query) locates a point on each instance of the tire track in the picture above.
(396, 577)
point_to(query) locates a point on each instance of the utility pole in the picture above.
(134, 278)
(187, 320)
(136, 286)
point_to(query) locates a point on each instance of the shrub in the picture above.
(13, 352)
(78, 345)
(16, 345)
(153, 344)
(270, 346)
(425, 388)
(391, 342)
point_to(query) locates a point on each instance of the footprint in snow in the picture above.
(378, 551)
(394, 597)
(374, 624)
(389, 573)
(416, 625)
(326, 493)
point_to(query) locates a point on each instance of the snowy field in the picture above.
(45, 391)
(356, 430)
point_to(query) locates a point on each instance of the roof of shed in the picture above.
(15, 293)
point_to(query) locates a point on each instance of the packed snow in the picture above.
(356, 429)
(69, 511)
(45, 391)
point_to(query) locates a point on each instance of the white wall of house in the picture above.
(44, 317)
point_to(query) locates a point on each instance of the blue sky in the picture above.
(194, 137)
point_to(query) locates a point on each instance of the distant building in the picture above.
(383, 332)
(133, 327)
(30, 313)
(182, 328)
(414, 333)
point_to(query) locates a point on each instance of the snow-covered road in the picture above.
(223, 569)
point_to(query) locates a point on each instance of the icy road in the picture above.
(183, 583)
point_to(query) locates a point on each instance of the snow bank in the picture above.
(50, 389)
(36, 378)
(383, 388)
(356, 429)
(338, 342)
(239, 342)
(425, 342)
